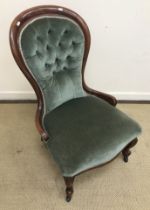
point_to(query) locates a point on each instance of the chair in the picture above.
(81, 127)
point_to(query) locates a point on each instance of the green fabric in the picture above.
(52, 48)
(86, 132)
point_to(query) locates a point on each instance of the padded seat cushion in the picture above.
(86, 132)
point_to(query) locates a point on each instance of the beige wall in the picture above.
(119, 60)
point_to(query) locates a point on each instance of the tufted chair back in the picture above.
(52, 48)
(50, 44)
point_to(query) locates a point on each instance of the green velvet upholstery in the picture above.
(86, 132)
(52, 48)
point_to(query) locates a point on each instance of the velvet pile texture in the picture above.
(84, 131)
(53, 49)
(87, 132)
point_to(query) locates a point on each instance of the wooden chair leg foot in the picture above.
(126, 151)
(69, 187)
(125, 156)
(68, 196)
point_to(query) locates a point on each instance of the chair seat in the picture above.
(86, 132)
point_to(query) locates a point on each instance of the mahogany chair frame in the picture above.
(19, 22)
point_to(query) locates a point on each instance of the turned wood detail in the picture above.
(126, 151)
(69, 187)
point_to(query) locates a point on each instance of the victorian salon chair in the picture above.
(81, 127)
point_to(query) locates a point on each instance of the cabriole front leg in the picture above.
(69, 187)
(126, 151)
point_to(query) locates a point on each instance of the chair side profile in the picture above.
(80, 126)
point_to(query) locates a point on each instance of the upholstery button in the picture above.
(39, 38)
(47, 65)
(66, 32)
(47, 47)
(68, 57)
(59, 44)
(49, 31)
(73, 43)
(38, 53)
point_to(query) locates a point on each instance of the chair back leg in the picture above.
(126, 151)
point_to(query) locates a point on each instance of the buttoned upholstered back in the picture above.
(52, 48)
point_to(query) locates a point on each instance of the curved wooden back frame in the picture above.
(24, 18)
(19, 22)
